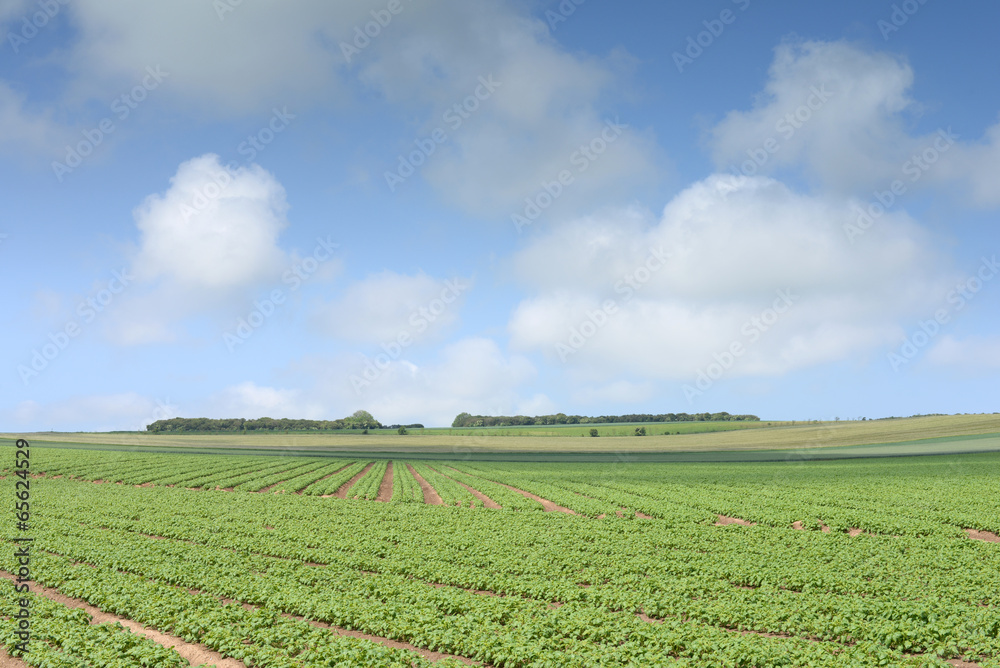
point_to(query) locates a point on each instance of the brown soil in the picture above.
(314, 483)
(958, 663)
(547, 505)
(342, 492)
(385, 489)
(854, 531)
(988, 536)
(643, 516)
(7, 661)
(601, 516)
(196, 654)
(723, 521)
(431, 497)
(485, 500)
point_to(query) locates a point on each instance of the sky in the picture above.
(248, 209)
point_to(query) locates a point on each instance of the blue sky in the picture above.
(246, 209)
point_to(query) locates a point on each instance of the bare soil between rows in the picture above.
(342, 492)
(486, 501)
(724, 521)
(196, 654)
(987, 536)
(547, 505)
(385, 489)
(431, 497)
(7, 661)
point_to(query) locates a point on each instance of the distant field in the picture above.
(617, 429)
(780, 436)
(286, 561)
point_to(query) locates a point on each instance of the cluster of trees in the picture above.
(358, 420)
(467, 420)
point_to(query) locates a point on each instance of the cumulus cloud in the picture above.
(428, 59)
(24, 128)
(384, 306)
(662, 297)
(832, 106)
(250, 400)
(471, 374)
(979, 354)
(844, 114)
(210, 240)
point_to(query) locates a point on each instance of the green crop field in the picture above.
(694, 437)
(367, 561)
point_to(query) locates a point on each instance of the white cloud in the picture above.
(471, 375)
(844, 114)
(854, 135)
(25, 128)
(203, 246)
(126, 411)
(249, 400)
(980, 354)
(384, 306)
(13, 9)
(428, 59)
(216, 64)
(733, 248)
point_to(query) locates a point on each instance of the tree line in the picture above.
(358, 420)
(467, 420)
